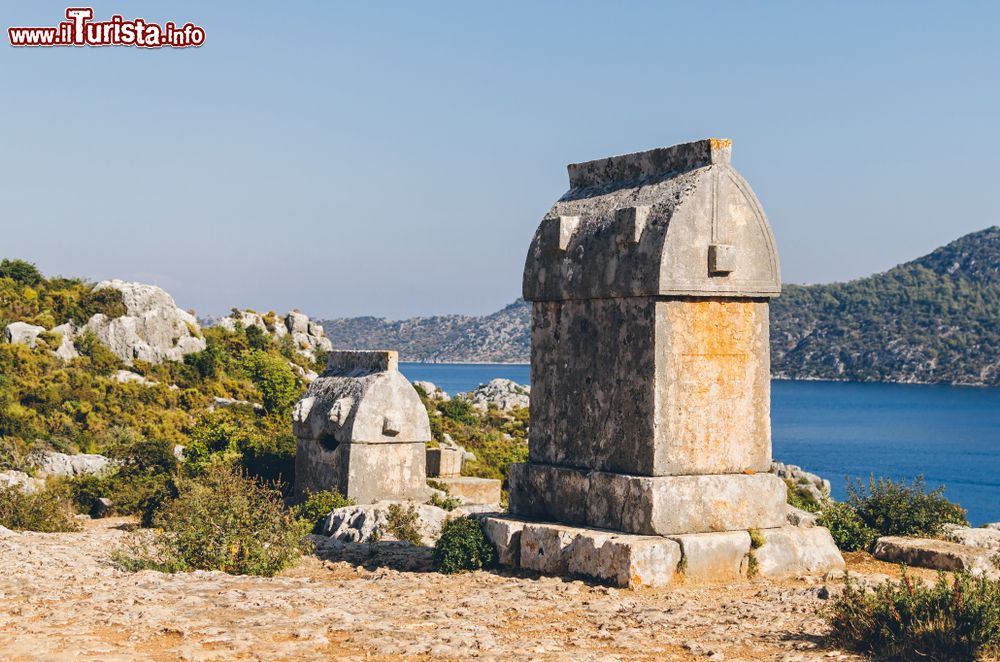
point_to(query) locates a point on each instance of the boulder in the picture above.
(153, 329)
(503, 394)
(20, 480)
(102, 508)
(129, 377)
(51, 463)
(801, 518)
(22, 333)
(358, 523)
(983, 538)
(792, 550)
(433, 391)
(937, 554)
(226, 403)
(67, 334)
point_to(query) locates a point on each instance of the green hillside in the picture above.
(933, 320)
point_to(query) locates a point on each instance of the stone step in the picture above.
(938, 555)
(635, 561)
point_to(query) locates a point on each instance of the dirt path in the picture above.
(60, 598)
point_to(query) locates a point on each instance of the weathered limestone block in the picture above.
(983, 537)
(937, 554)
(792, 550)
(473, 490)
(649, 281)
(606, 556)
(362, 430)
(444, 462)
(713, 557)
(649, 387)
(505, 534)
(650, 506)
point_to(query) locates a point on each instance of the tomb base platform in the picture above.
(636, 561)
(471, 490)
(645, 505)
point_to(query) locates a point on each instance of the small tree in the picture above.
(274, 378)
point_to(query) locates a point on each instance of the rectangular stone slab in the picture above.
(485, 491)
(363, 472)
(714, 557)
(663, 505)
(606, 556)
(651, 387)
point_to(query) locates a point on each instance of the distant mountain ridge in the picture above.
(935, 319)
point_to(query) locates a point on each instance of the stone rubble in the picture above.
(818, 487)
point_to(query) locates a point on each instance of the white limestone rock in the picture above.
(51, 463)
(22, 333)
(433, 391)
(792, 550)
(358, 523)
(937, 554)
(153, 328)
(67, 334)
(22, 481)
(307, 336)
(503, 394)
(985, 538)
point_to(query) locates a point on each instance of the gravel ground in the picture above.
(61, 598)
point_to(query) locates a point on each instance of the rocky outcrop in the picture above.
(153, 329)
(51, 463)
(20, 480)
(433, 391)
(307, 336)
(22, 333)
(818, 488)
(66, 349)
(503, 394)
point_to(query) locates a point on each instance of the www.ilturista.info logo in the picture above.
(80, 30)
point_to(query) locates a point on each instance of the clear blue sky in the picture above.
(394, 159)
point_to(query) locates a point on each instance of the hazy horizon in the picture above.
(394, 161)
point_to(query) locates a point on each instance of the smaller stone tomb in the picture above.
(362, 430)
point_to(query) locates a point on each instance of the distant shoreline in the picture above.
(773, 378)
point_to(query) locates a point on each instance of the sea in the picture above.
(847, 431)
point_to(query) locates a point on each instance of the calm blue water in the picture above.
(949, 434)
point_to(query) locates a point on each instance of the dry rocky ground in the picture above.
(61, 598)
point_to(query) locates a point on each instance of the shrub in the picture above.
(271, 458)
(273, 378)
(903, 509)
(757, 539)
(318, 505)
(223, 521)
(849, 531)
(401, 523)
(459, 410)
(463, 546)
(20, 271)
(956, 620)
(49, 510)
(447, 502)
(801, 498)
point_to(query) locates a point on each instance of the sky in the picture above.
(394, 159)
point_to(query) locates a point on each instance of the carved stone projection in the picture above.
(362, 430)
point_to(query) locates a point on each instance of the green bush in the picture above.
(401, 523)
(48, 510)
(274, 379)
(801, 498)
(224, 521)
(459, 410)
(24, 273)
(463, 546)
(446, 502)
(847, 528)
(903, 509)
(956, 620)
(318, 505)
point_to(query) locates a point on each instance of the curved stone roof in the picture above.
(677, 221)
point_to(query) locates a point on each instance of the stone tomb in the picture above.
(650, 401)
(362, 430)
